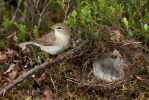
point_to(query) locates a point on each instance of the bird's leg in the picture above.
(65, 54)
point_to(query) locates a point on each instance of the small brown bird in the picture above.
(53, 42)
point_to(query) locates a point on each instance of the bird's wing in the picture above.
(46, 40)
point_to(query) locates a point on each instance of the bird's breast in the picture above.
(62, 40)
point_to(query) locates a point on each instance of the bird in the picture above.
(54, 42)
(109, 67)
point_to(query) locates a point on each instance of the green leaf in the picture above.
(6, 22)
(83, 17)
(112, 9)
(87, 8)
(146, 27)
(89, 19)
(35, 32)
(16, 24)
(84, 11)
(125, 22)
(89, 11)
(74, 13)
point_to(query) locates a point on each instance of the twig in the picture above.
(66, 8)
(46, 64)
(41, 14)
(38, 11)
(14, 16)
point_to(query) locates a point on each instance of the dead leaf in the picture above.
(48, 94)
(41, 80)
(12, 53)
(70, 94)
(12, 71)
(3, 58)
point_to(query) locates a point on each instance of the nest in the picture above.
(104, 43)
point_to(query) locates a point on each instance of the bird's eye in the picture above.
(113, 56)
(59, 28)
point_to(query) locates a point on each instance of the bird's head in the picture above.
(61, 28)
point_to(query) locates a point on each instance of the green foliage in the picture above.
(137, 17)
(146, 27)
(22, 30)
(134, 15)
(2, 42)
(2, 66)
(126, 23)
(38, 60)
(41, 56)
(5, 14)
(35, 32)
(6, 22)
(89, 14)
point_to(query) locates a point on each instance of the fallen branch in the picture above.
(37, 68)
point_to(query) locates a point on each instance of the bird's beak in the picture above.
(52, 27)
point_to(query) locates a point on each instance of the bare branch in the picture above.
(66, 9)
(38, 11)
(14, 16)
(41, 14)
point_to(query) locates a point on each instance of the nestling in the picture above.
(109, 68)
(54, 42)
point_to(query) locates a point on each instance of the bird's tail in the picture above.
(24, 44)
